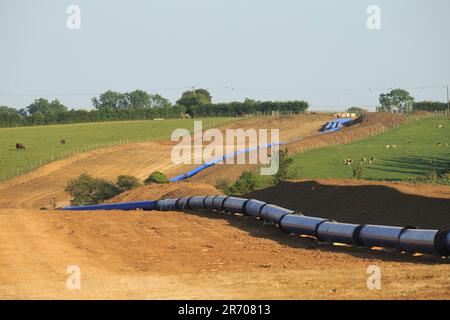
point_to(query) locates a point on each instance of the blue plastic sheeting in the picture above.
(336, 124)
(144, 205)
(217, 160)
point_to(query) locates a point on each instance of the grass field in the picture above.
(43, 146)
(406, 161)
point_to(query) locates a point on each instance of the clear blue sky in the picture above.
(317, 50)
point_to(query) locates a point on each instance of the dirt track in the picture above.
(178, 255)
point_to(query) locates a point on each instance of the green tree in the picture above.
(195, 98)
(45, 107)
(397, 100)
(110, 100)
(137, 99)
(158, 101)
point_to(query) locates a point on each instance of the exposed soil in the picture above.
(206, 255)
(166, 191)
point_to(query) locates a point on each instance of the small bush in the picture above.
(156, 177)
(358, 171)
(125, 183)
(283, 169)
(248, 182)
(223, 185)
(87, 190)
(433, 178)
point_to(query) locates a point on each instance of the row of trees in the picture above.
(137, 99)
(139, 105)
(401, 101)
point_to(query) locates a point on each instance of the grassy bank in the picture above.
(43, 142)
(420, 147)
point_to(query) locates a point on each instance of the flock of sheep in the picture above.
(349, 162)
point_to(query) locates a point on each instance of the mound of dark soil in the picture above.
(364, 203)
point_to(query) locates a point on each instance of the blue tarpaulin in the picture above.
(336, 124)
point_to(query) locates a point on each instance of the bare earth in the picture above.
(161, 255)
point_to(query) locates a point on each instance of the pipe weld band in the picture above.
(280, 225)
(244, 207)
(187, 203)
(439, 243)
(356, 236)
(223, 202)
(316, 231)
(398, 247)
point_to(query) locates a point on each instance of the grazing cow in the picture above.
(20, 146)
(62, 141)
(348, 162)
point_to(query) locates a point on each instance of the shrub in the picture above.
(223, 185)
(284, 163)
(433, 178)
(248, 182)
(245, 184)
(156, 177)
(125, 183)
(87, 190)
(358, 171)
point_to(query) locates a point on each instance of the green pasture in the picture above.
(421, 147)
(43, 142)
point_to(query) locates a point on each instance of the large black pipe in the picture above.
(404, 239)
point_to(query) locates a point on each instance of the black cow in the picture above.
(20, 146)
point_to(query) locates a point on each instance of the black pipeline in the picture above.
(408, 239)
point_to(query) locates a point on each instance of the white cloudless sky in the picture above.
(315, 50)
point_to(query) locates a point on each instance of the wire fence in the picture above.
(52, 157)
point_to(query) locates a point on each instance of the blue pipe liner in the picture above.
(406, 239)
(144, 205)
(219, 159)
(336, 124)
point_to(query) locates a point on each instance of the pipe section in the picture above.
(142, 205)
(219, 159)
(253, 207)
(274, 214)
(233, 204)
(379, 236)
(404, 239)
(415, 240)
(301, 225)
(329, 231)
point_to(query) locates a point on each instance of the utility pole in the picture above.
(448, 103)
